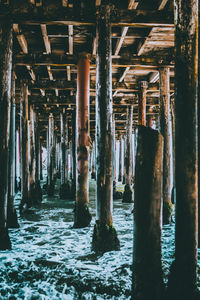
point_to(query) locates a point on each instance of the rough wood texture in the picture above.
(51, 160)
(32, 157)
(127, 196)
(74, 156)
(64, 188)
(165, 131)
(182, 282)
(142, 103)
(82, 217)
(147, 270)
(37, 187)
(104, 235)
(12, 221)
(120, 158)
(25, 201)
(5, 98)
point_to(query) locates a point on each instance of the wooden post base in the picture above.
(5, 243)
(50, 190)
(167, 212)
(65, 191)
(104, 238)
(116, 194)
(82, 216)
(128, 194)
(12, 221)
(176, 290)
(35, 194)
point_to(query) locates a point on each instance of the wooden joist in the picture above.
(25, 13)
(71, 60)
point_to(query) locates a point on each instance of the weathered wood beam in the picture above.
(12, 221)
(25, 13)
(147, 216)
(104, 235)
(124, 32)
(24, 142)
(52, 84)
(71, 60)
(5, 100)
(165, 131)
(82, 216)
(128, 194)
(64, 188)
(183, 278)
(21, 38)
(142, 102)
(70, 34)
(45, 38)
(143, 44)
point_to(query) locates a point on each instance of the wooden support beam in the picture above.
(147, 216)
(51, 156)
(24, 142)
(22, 13)
(21, 38)
(165, 130)
(104, 235)
(71, 60)
(82, 216)
(142, 102)
(12, 221)
(182, 280)
(124, 32)
(5, 100)
(64, 188)
(45, 38)
(128, 194)
(70, 34)
(143, 43)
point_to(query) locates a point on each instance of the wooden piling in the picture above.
(147, 270)
(183, 277)
(25, 201)
(38, 190)
(142, 103)
(127, 195)
(120, 158)
(64, 188)
(74, 155)
(165, 131)
(5, 98)
(12, 221)
(51, 159)
(82, 216)
(104, 235)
